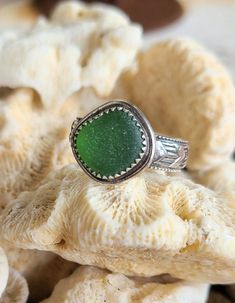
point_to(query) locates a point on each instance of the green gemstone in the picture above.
(109, 144)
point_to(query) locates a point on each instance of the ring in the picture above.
(115, 142)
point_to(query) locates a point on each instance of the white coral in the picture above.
(151, 224)
(90, 284)
(16, 290)
(4, 271)
(187, 93)
(57, 58)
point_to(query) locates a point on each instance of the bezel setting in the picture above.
(147, 134)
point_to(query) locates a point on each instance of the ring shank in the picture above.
(170, 154)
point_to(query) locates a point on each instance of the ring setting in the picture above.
(116, 141)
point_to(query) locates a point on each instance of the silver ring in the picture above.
(116, 141)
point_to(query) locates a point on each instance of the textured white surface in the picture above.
(90, 284)
(59, 56)
(212, 24)
(16, 290)
(4, 271)
(149, 225)
(186, 93)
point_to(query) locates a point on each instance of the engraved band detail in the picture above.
(170, 154)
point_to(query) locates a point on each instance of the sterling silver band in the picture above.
(170, 154)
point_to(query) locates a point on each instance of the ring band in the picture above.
(170, 154)
(115, 142)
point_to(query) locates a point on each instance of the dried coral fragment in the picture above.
(186, 93)
(220, 178)
(58, 59)
(33, 141)
(151, 224)
(30, 143)
(90, 284)
(104, 16)
(38, 268)
(16, 290)
(4, 271)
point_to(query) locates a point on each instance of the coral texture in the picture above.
(57, 57)
(90, 284)
(186, 93)
(149, 225)
(16, 290)
(34, 141)
(29, 142)
(4, 271)
(220, 178)
(53, 70)
(38, 268)
(33, 131)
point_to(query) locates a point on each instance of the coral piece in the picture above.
(59, 56)
(13, 287)
(149, 225)
(38, 268)
(17, 13)
(16, 290)
(4, 271)
(90, 284)
(186, 93)
(33, 140)
(220, 178)
(44, 273)
(29, 143)
(55, 69)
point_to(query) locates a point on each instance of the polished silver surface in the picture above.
(161, 152)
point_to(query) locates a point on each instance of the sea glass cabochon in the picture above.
(113, 142)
